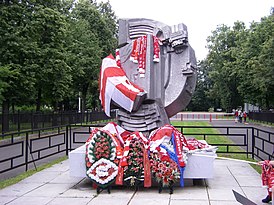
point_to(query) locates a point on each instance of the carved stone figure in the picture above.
(164, 66)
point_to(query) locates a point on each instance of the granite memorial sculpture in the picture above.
(160, 67)
(151, 79)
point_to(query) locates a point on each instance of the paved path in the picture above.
(54, 186)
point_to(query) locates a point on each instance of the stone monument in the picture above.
(165, 69)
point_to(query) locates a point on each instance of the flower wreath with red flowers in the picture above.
(101, 161)
(134, 170)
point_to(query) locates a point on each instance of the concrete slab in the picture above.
(213, 202)
(49, 190)
(150, 196)
(190, 193)
(69, 201)
(220, 182)
(188, 202)
(57, 187)
(31, 201)
(19, 189)
(255, 194)
(223, 194)
(41, 177)
(117, 196)
(242, 169)
(61, 167)
(6, 199)
(65, 178)
(249, 181)
(77, 193)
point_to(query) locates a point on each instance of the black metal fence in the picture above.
(262, 116)
(34, 120)
(18, 154)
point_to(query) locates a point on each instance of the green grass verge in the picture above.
(214, 139)
(28, 173)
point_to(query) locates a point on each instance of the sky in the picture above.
(200, 16)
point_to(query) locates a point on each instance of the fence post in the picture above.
(26, 151)
(253, 143)
(67, 142)
(18, 121)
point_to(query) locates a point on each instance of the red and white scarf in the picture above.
(139, 50)
(114, 85)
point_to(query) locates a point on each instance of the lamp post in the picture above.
(79, 102)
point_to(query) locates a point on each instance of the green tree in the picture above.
(84, 58)
(15, 50)
(223, 47)
(200, 100)
(257, 67)
(52, 74)
(93, 31)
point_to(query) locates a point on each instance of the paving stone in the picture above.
(6, 199)
(188, 202)
(249, 181)
(223, 194)
(54, 186)
(243, 169)
(65, 178)
(41, 177)
(69, 201)
(255, 194)
(77, 193)
(222, 202)
(49, 190)
(19, 189)
(31, 201)
(115, 197)
(61, 167)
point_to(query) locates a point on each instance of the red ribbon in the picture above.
(147, 172)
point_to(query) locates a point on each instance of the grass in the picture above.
(28, 173)
(214, 139)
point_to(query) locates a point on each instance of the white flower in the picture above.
(102, 167)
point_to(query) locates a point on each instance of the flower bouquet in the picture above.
(167, 156)
(165, 172)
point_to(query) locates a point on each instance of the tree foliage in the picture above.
(51, 50)
(240, 65)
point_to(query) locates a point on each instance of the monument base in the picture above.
(198, 167)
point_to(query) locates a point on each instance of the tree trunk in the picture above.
(38, 100)
(84, 97)
(5, 116)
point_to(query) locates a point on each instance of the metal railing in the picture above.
(31, 148)
(35, 120)
(262, 116)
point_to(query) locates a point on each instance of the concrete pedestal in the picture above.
(198, 167)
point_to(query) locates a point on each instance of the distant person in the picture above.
(236, 116)
(240, 116)
(245, 116)
(267, 178)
